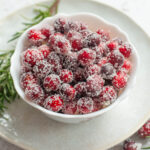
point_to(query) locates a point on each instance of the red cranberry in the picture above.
(74, 25)
(112, 45)
(131, 145)
(59, 44)
(35, 36)
(94, 85)
(108, 71)
(126, 50)
(34, 92)
(70, 62)
(120, 79)
(27, 78)
(92, 40)
(61, 25)
(83, 26)
(127, 66)
(118, 41)
(80, 88)
(42, 69)
(145, 130)
(116, 59)
(47, 31)
(24, 69)
(54, 103)
(67, 92)
(30, 57)
(85, 105)
(91, 69)
(79, 74)
(86, 56)
(96, 104)
(66, 76)
(70, 108)
(51, 82)
(85, 33)
(104, 35)
(45, 50)
(108, 95)
(103, 61)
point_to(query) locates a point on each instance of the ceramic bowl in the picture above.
(94, 22)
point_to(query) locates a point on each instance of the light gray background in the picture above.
(139, 10)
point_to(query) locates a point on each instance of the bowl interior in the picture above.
(94, 22)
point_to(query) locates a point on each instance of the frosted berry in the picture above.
(47, 31)
(42, 69)
(85, 105)
(126, 50)
(45, 50)
(91, 69)
(27, 78)
(112, 45)
(34, 92)
(67, 92)
(96, 104)
(85, 33)
(104, 35)
(78, 74)
(61, 25)
(80, 88)
(51, 82)
(60, 44)
(86, 56)
(120, 79)
(53, 103)
(116, 59)
(127, 66)
(30, 56)
(94, 85)
(108, 71)
(70, 108)
(144, 131)
(66, 76)
(103, 61)
(74, 25)
(83, 26)
(131, 145)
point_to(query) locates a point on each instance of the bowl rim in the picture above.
(69, 116)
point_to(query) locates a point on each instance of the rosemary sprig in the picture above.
(7, 90)
(146, 148)
(40, 15)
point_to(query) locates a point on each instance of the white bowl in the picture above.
(94, 22)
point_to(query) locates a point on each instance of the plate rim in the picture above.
(130, 132)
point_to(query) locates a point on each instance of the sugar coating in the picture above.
(66, 76)
(70, 108)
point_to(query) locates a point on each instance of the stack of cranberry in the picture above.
(70, 69)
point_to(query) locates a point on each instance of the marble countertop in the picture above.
(137, 9)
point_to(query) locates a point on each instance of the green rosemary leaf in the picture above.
(146, 148)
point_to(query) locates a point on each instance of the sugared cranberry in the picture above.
(144, 131)
(94, 85)
(35, 36)
(27, 78)
(126, 50)
(86, 56)
(91, 69)
(103, 61)
(74, 25)
(80, 88)
(66, 76)
(85, 105)
(85, 33)
(83, 26)
(79, 74)
(112, 45)
(24, 69)
(127, 66)
(120, 79)
(30, 56)
(67, 92)
(108, 71)
(131, 145)
(51, 82)
(42, 69)
(54, 103)
(96, 104)
(61, 25)
(54, 60)
(92, 40)
(108, 95)
(116, 59)
(70, 108)
(45, 50)
(60, 44)
(34, 92)
(104, 35)
(47, 31)
(70, 62)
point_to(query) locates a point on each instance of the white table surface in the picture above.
(139, 10)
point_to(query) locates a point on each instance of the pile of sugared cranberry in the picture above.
(69, 69)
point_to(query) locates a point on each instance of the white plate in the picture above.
(29, 129)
